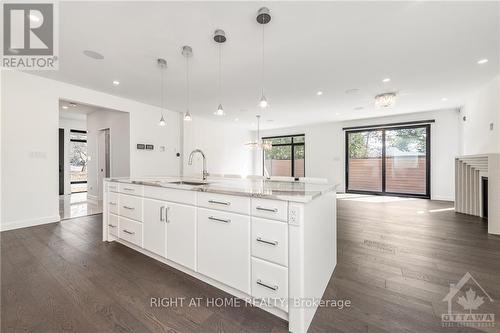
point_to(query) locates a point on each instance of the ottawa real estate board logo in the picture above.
(465, 299)
(29, 36)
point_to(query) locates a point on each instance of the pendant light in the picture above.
(187, 52)
(263, 18)
(220, 38)
(162, 63)
(259, 144)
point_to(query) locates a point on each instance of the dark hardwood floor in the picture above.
(396, 260)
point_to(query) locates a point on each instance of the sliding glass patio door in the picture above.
(392, 161)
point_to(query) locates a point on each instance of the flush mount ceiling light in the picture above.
(93, 54)
(162, 64)
(116, 83)
(263, 18)
(482, 61)
(385, 100)
(220, 38)
(259, 144)
(187, 52)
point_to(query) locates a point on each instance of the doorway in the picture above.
(61, 161)
(103, 159)
(389, 161)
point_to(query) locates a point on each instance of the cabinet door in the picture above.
(181, 234)
(224, 247)
(154, 226)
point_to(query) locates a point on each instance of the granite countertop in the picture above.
(278, 190)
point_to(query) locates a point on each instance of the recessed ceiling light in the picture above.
(352, 91)
(482, 61)
(358, 108)
(236, 119)
(65, 107)
(93, 54)
(444, 99)
(116, 83)
(386, 80)
(319, 93)
(270, 120)
(337, 114)
(72, 104)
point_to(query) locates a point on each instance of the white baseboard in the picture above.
(29, 222)
(442, 198)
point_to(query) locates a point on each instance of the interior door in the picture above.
(103, 159)
(154, 225)
(181, 234)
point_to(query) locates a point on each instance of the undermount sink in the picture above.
(186, 182)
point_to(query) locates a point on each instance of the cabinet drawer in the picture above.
(270, 240)
(172, 195)
(113, 202)
(130, 189)
(130, 207)
(224, 202)
(112, 187)
(113, 225)
(131, 231)
(270, 209)
(270, 281)
(224, 247)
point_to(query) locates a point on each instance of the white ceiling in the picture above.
(428, 49)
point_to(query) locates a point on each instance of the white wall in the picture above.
(30, 120)
(325, 148)
(223, 145)
(481, 109)
(119, 131)
(68, 124)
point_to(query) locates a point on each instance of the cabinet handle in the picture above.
(112, 226)
(128, 232)
(167, 209)
(225, 203)
(274, 243)
(128, 189)
(272, 210)
(219, 220)
(127, 207)
(162, 208)
(260, 283)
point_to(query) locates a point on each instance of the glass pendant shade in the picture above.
(263, 102)
(162, 121)
(220, 111)
(187, 116)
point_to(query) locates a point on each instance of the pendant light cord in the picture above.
(187, 84)
(263, 57)
(220, 73)
(162, 87)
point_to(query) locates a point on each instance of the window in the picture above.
(391, 160)
(78, 160)
(286, 157)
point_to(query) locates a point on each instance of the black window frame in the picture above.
(78, 140)
(382, 128)
(292, 144)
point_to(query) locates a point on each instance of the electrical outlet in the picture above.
(294, 214)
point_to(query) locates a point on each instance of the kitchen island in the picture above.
(270, 243)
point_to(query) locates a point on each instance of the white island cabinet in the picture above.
(257, 240)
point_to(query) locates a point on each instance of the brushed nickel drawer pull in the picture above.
(127, 207)
(112, 226)
(272, 210)
(128, 189)
(162, 208)
(260, 283)
(219, 220)
(128, 232)
(274, 243)
(225, 203)
(112, 203)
